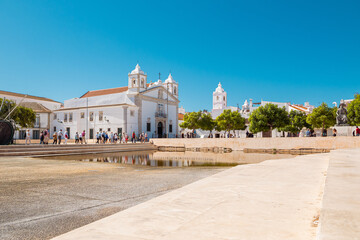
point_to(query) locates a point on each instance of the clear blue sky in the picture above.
(272, 50)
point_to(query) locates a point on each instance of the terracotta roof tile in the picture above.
(104, 92)
(37, 107)
(28, 96)
(181, 116)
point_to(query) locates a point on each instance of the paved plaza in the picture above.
(271, 200)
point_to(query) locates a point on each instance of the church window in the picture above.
(142, 82)
(175, 90)
(148, 127)
(91, 116)
(101, 114)
(109, 129)
(224, 98)
(65, 117)
(55, 116)
(132, 113)
(70, 117)
(170, 128)
(82, 115)
(217, 97)
(134, 82)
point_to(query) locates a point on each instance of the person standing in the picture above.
(66, 135)
(42, 137)
(27, 137)
(133, 137)
(334, 132)
(357, 131)
(60, 136)
(55, 138)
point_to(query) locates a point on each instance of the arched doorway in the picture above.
(160, 130)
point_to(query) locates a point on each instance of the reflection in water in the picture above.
(176, 159)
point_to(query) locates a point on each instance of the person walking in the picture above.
(111, 137)
(27, 137)
(97, 137)
(55, 138)
(60, 136)
(76, 138)
(84, 137)
(357, 131)
(46, 136)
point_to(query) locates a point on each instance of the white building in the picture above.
(43, 107)
(220, 102)
(140, 106)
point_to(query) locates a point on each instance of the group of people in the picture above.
(58, 136)
(105, 137)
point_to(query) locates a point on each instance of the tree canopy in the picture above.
(206, 122)
(353, 111)
(268, 117)
(191, 120)
(297, 121)
(322, 117)
(24, 117)
(229, 120)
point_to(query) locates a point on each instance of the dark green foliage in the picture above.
(206, 122)
(268, 117)
(297, 121)
(191, 120)
(353, 111)
(24, 117)
(322, 117)
(229, 120)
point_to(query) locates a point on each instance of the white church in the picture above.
(139, 107)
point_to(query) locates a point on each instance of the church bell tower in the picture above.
(219, 98)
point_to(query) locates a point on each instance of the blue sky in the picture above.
(293, 51)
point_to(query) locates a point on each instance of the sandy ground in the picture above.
(41, 199)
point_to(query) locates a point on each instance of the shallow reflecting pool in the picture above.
(176, 159)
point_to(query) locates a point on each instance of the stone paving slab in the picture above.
(272, 200)
(340, 214)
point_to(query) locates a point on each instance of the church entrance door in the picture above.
(160, 130)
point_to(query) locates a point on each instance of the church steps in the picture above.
(22, 151)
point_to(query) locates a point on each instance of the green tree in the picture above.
(322, 117)
(353, 111)
(297, 121)
(191, 120)
(229, 120)
(268, 117)
(206, 122)
(24, 117)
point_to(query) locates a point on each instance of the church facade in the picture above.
(139, 107)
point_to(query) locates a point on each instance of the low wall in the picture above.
(262, 143)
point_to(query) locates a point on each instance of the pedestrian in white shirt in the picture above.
(27, 137)
(60, 136)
